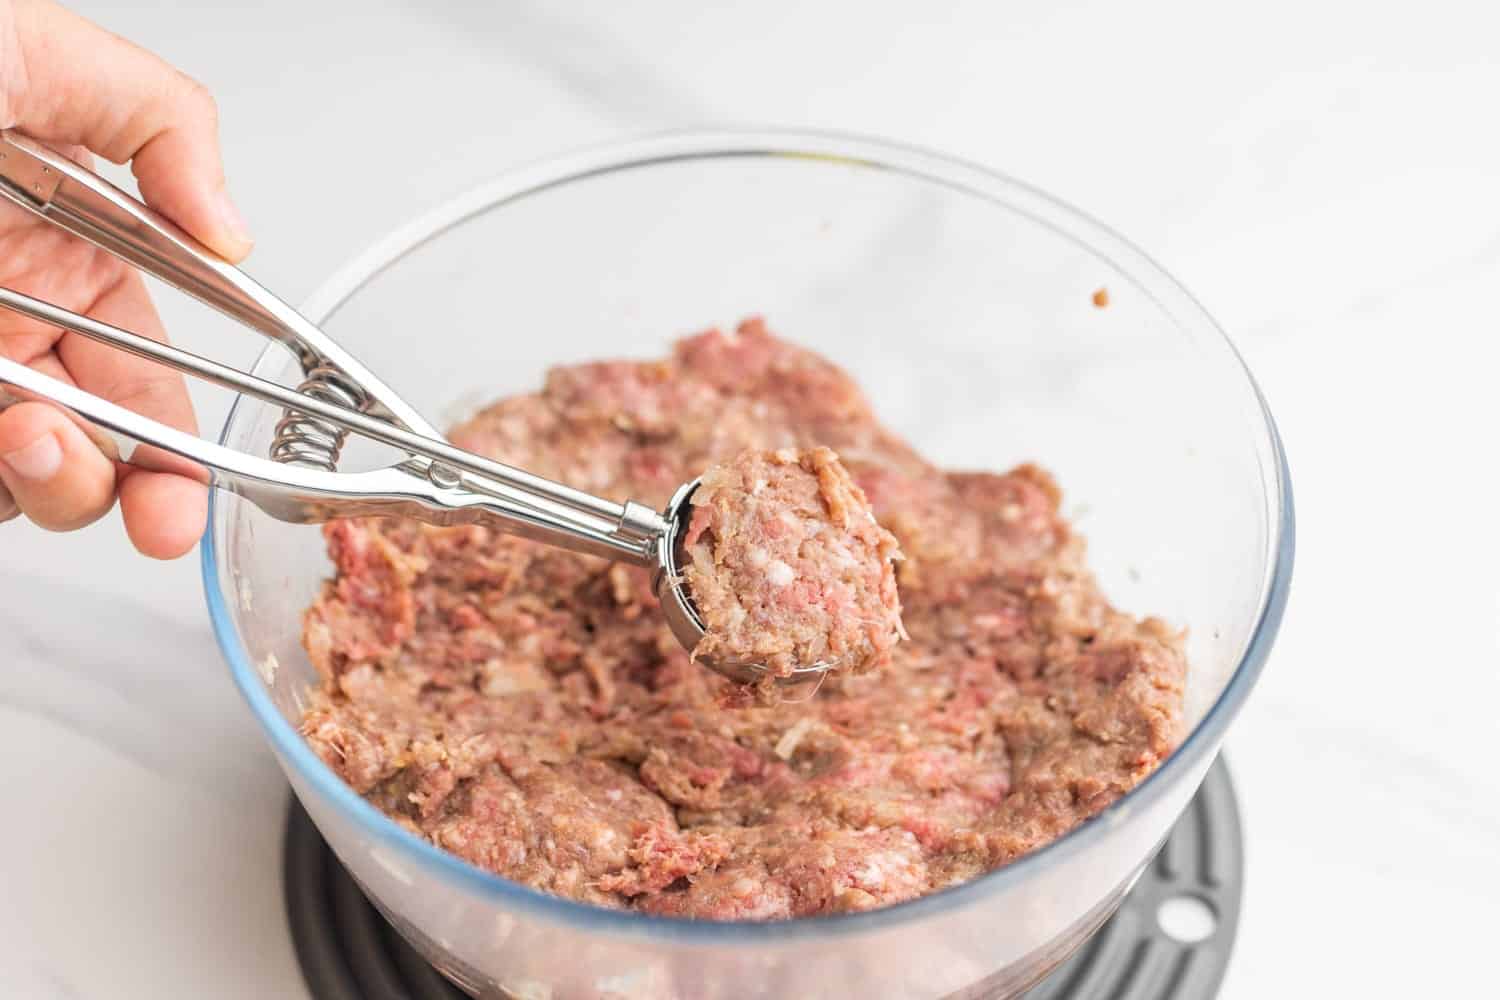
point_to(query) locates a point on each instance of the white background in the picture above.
(1324, 176)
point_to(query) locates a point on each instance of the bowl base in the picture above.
(1169, 939)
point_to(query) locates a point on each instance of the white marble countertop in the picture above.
(1323, 176)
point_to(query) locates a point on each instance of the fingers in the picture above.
(87, 86)
(149, 389)
(52, 470)
(181, 175)
(53, 473)
(9, 509)
(164, 513)
(71, 83)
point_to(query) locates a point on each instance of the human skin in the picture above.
(86, 92)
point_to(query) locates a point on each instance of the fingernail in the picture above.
(38, 461)
(233, 221)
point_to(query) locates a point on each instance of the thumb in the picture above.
(84, 86)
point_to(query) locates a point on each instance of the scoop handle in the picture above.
(79, 201)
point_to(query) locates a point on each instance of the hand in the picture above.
(82, 90)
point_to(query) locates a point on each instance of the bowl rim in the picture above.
(836, 147)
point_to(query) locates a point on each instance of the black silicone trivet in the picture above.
(348, 951)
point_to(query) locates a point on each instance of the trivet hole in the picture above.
(1187, 919)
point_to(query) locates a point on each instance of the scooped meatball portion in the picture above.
(788, 567)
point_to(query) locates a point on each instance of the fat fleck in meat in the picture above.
(527, 709)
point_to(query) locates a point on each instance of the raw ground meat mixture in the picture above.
(788, 567)
(527, 709)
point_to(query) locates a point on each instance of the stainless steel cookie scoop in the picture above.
(298, 481)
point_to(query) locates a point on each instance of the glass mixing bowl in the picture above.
(964, 303)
